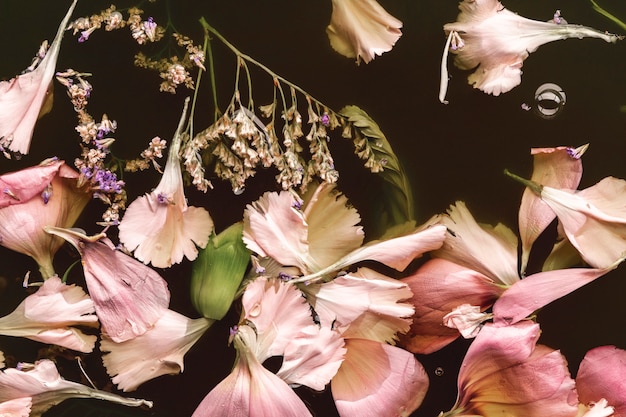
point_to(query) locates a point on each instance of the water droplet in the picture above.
(439, 371)
(549, 100)
(255, 310)
(239, 190)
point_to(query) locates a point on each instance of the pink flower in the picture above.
(19, 407)
(601, 377)
(25, 98)
(159, 351)
(51, 314)
(505, 372)
(42, 382)
(493, 42)
(129, 297)
(362, 29)
(35, 197)
(160, 227)
(321, 235)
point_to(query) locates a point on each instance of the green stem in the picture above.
(608, 15)
(534, 187)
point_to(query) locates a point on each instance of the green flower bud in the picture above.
(218, 272)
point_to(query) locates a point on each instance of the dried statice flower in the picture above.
(173, 71)
(110, 17)
(196, 54)
(144, 31)
(148, 155)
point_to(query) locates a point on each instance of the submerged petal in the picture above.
(362, 29)
(601, 375)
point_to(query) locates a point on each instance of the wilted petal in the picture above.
(278, 311)
(538, 290)
(19, 407)
(35, 197)
(250, 390)
(467, 319)
(129, 296)
(362, 29)
(274, 227)
(597, 409)
(159, 226)
(555, 167)
(492, 251)
(45, 386)
(505, 373)
(22, 98)
(51, 314)
(601, 375)
(496, 41)
(340, 302)
(438, 287)
(376, 379)
(159, 351)
(312, 357)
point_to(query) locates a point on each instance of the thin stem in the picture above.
(208, 52)
(534, 187)
(608, 15)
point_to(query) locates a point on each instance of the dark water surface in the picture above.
(453, 152)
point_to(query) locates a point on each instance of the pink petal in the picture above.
(505, 373)
(325, 211)
(601, 375)
(491, 251)
(19, 186)
(19, 407)
(378, 380)
(159, 351)
(250, 390)
(438, 287)
(538, 290)
(278, 311)
(129, 297)
(594, 219)
(22, 98)
(274, 228)
(340, 302)
(362, 29)
(555, 167)
(399, 252)
(312, 357)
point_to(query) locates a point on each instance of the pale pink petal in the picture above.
(278, 311)
(378, 380)
(399, 252)
(22, 98)
(45, 386)
(159, 351)
(555, 167)
(594, 219)
(601, 375)
(35, 197)
(438, 287)
(250, 390)
(362, 29)
(129, 296)
(505, 373)
(159, 226)
(467, 319)
(496, 41)
(51, 315)
(600, 408)
(312, 357)
(19, 407)
(340, 302)
(333, 229)
(538, 290)
(492, 251)
(274, 227)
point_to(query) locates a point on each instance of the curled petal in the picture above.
(376, 379)
(362, 29)
(22, 98)
(19, 407)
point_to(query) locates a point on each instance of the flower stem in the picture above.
(534, 187)
(608, 15)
